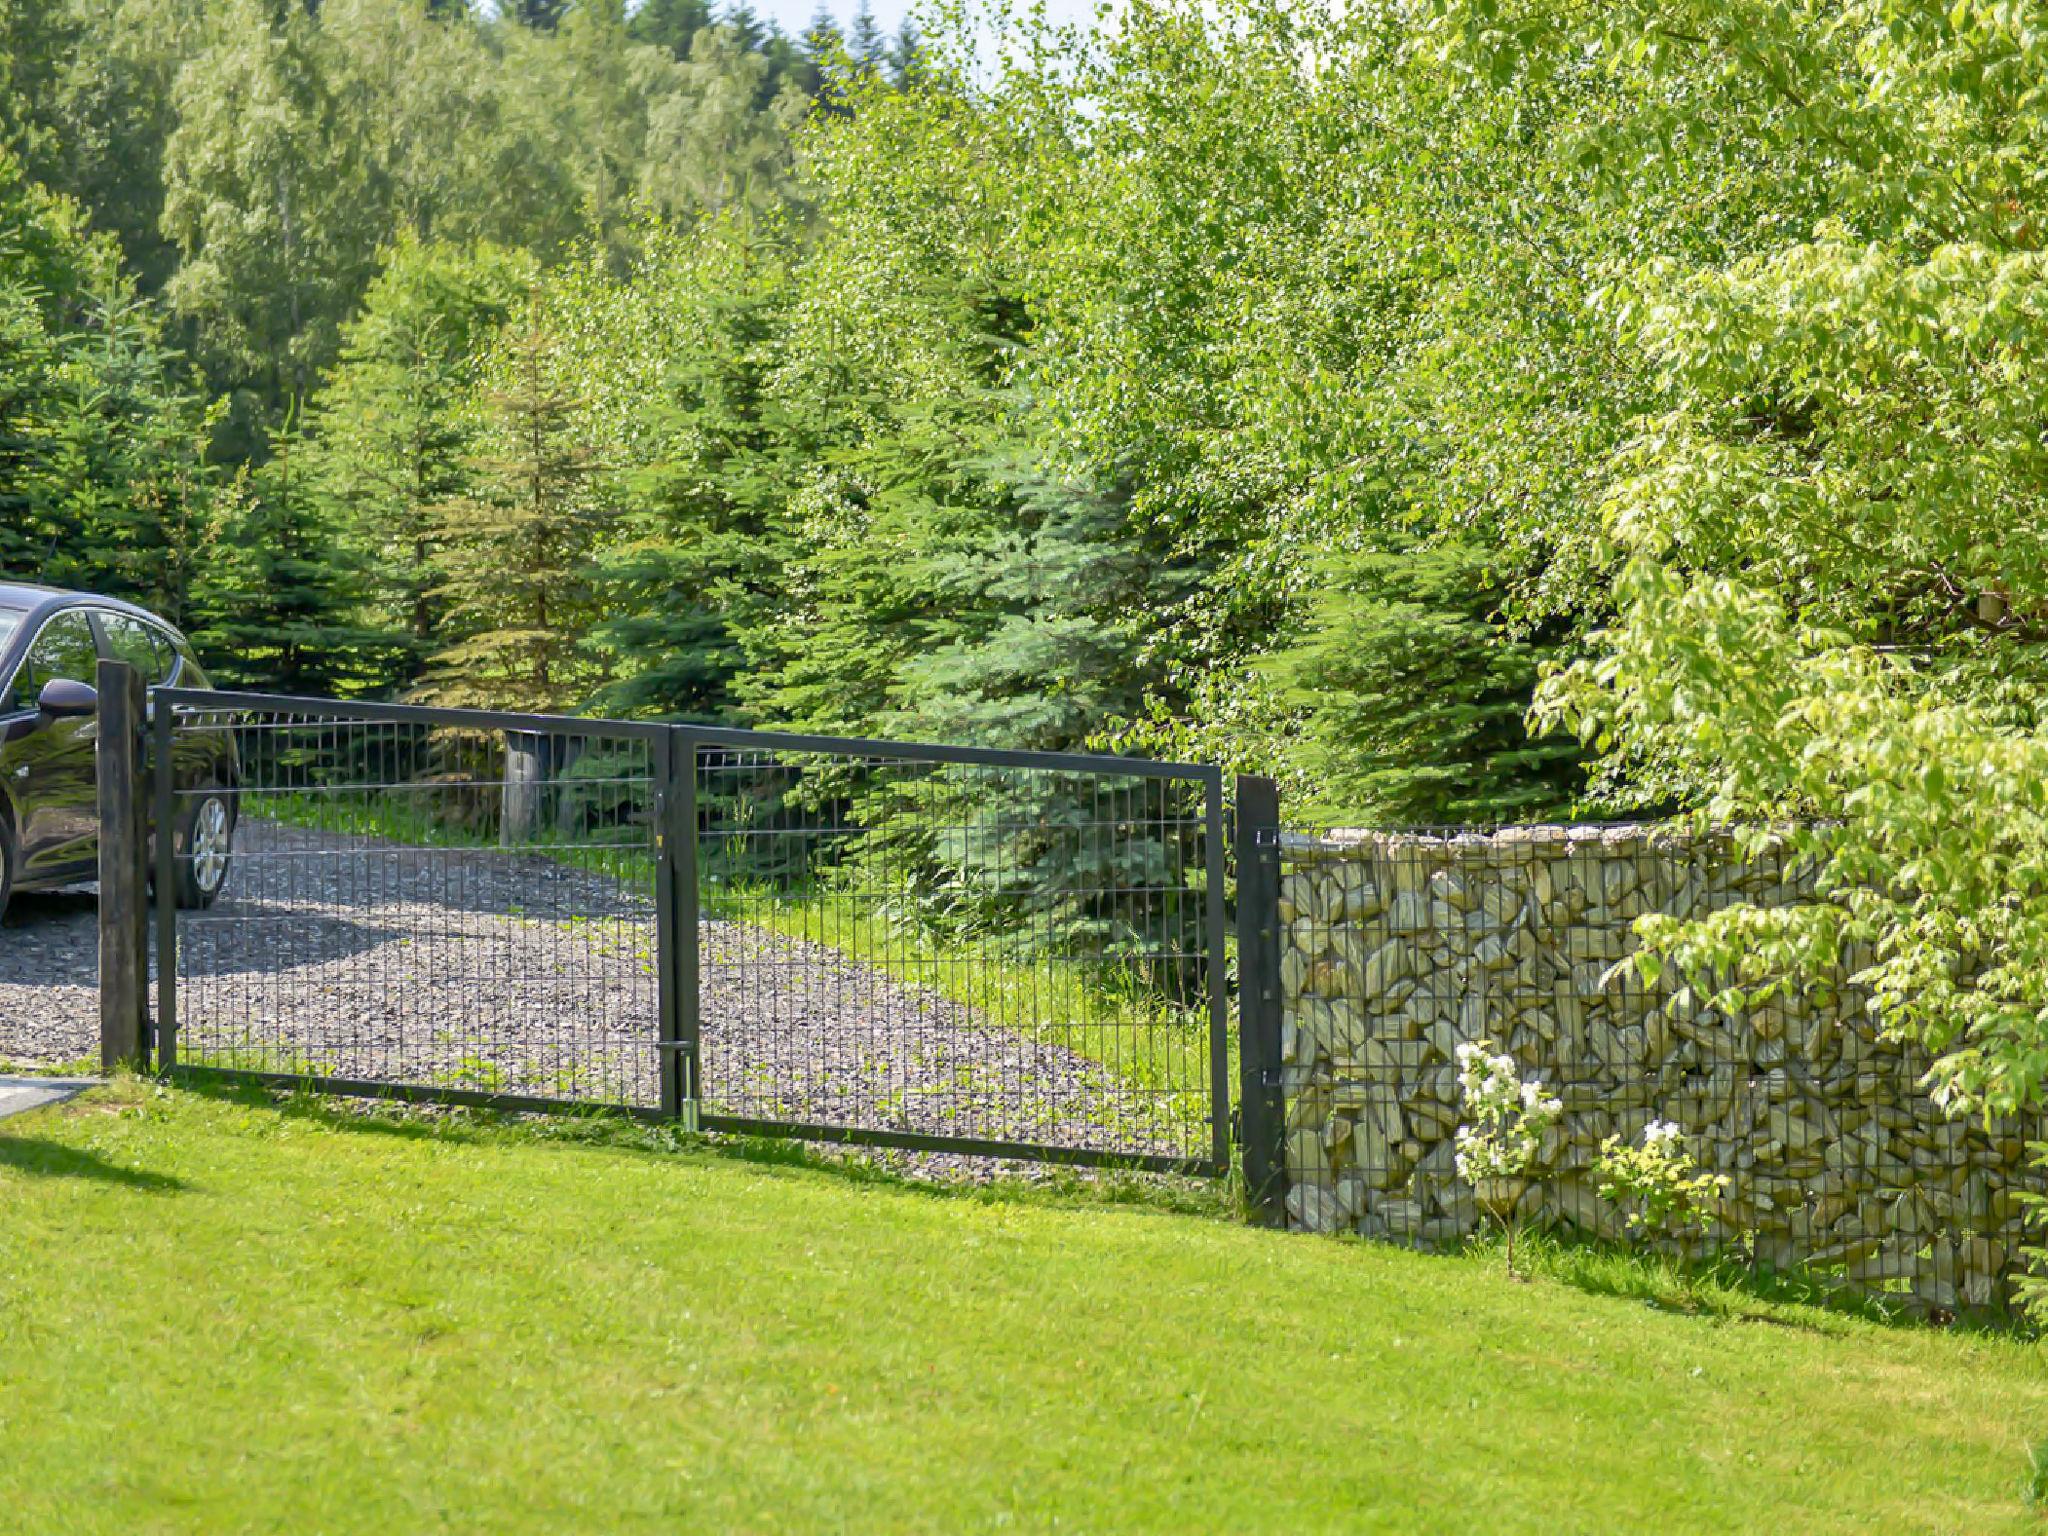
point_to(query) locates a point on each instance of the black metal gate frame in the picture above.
(674, 754)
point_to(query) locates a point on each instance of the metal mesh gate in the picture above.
(996, 953)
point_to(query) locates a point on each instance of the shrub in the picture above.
(1658, 1182)
(2032, 1290)
(1505, 1119)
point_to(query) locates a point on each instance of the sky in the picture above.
(795, 15)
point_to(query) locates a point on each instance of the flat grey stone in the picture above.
(21, 1094)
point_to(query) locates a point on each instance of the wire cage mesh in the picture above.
(1841, 1172)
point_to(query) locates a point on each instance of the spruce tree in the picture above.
(670, 24)
(273, 605)
(906, 54)
(866, 45)
(707, 546)
(1412, 696)
(391, 429)
(519, 584)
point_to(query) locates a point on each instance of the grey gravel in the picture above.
(481, 969)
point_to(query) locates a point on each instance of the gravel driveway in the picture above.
(465, 968)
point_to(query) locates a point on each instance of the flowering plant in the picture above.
(1662, 1186)
(1505, 1119)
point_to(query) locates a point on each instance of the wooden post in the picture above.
(526, 771)
(124, 962)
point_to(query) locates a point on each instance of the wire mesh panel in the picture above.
(413, 899)
(982, 951)
(1840, 1171)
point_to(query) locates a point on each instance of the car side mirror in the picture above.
(63, 699)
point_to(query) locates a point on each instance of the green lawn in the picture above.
(233, 1315)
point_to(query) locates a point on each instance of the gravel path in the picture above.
(49, 979)
(479, 969)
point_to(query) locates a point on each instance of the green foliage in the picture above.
(702, 566)
(516, 550)
(391, 431)
(102, 481)
(1412, 696)
(274, 602)
(1835, 571)
(1021, 390)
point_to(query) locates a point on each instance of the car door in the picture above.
(55, 791)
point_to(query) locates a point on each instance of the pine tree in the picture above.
(517, 550)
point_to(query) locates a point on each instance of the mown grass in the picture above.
(231, 1313)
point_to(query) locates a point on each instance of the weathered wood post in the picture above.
(124, 955)
(526, 772)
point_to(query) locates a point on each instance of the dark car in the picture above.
(51, 644)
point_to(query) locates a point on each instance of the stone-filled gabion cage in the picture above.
(1395, 947)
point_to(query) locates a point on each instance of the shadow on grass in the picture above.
(617, 1130)
(1722, 1289)
(50, 1159)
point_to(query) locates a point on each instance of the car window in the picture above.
(191, 676)
(138, 644)
(65, 648)
(9, 623)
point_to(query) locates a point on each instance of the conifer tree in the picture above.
(707, 550)
(670, 24)
(273, 604)
(517, 550)
(391, 432)
(1412, 696)
(865, 43)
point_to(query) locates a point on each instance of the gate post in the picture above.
(1262, 1112)
(676, 925)
(124, 963)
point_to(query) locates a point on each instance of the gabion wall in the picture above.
(1396, 947)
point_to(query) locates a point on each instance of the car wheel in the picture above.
(206, 846)
(6, 864)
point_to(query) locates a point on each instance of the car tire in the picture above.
(6, 863)
(205, 847)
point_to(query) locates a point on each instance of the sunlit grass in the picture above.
(231, 1312)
